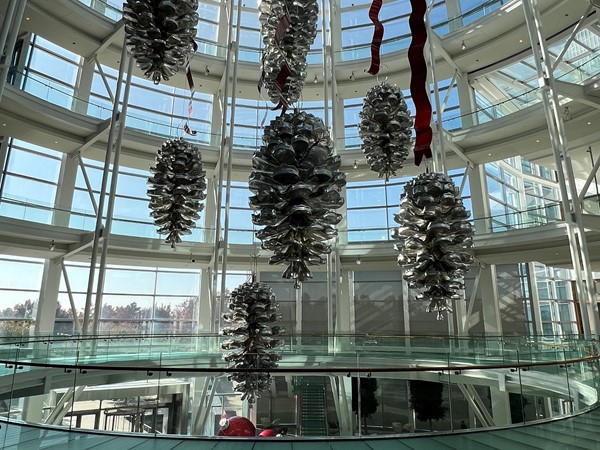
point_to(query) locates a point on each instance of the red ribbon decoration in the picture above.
(418, 81)
(190, 80)
(284, 71)
(377, 36)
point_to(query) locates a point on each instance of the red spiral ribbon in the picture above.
(377, 36)
(190, 80)
(284, 70)
(418, 81)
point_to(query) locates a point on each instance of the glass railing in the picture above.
(104, 7)
(591, 204)
(478, 10)
(24, 209)
(315, 372)
(64, 98)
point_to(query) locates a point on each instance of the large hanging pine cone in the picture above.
(253, 333)
(385, 129)
(160, 34)
(435, 238)
(288, 29)
(176, 189)
(296, 183)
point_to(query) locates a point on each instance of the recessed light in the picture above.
(3, 124)
(26, 18)
(537, 140)
(56, 142)
(520, 41)
(489, 154)
(589, 123)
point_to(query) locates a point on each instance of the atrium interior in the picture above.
(105, 327)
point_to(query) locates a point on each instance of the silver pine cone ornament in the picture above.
(435, 239)
(160, 34)
(253, 335)
(297, 184)
(385, 129)
(288, 29)
(177, 187)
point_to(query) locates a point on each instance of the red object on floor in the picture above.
(236, 426)
(269, 432)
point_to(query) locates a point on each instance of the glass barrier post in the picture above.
(571, 401)
(518, 369)
(450, 395)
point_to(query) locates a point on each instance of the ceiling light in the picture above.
(358, 261)
(520, 41)
(589, 123)
(352, 78)
(537, 140)
(56, 142)
(316, 80)
(26, 18)
(355, 165)
(52, 246)
(206, 71)
(463, 46)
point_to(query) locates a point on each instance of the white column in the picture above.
(454, 13)
(466, 100)
(535, 300)
(479, 200)
(66, 189)
(83, 85)
(500, 407)
(46, 312)
(492, 322)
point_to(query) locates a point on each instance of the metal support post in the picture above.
(586, 292)
(10, 40)
(591, 177)
(104, 80)
(111, 201)
(235, 48)
(439, 154)
(76, 324)
(6, 23)
(219, 245)
(88, 185)
(99, 225)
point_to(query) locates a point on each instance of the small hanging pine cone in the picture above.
(385, 128)
(435, 238)
(176, 189)
(297, 184)
(286, 48)
(253, 334)
(160, 34)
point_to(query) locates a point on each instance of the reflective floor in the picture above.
(579, 432)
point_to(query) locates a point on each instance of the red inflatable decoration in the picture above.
(269, 432)
(236, 426)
